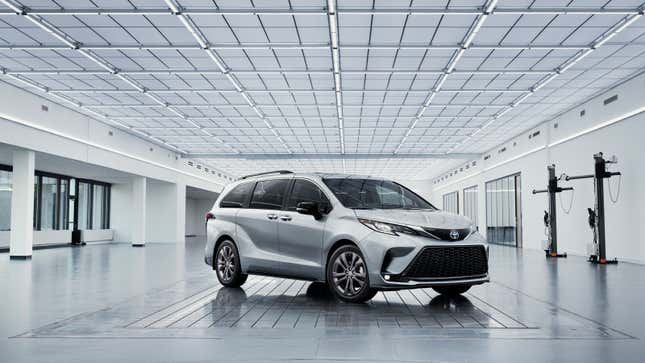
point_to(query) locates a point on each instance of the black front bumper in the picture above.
(446, 263)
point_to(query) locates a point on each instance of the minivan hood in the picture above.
(421, 218)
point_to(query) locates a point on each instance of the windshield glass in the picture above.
(375, 194)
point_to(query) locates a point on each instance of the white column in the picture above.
(138, 222)
(180, 212)
(22, 205)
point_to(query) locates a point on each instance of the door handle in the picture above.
(285, 218)
(272, 216)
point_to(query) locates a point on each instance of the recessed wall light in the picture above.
(610, 100)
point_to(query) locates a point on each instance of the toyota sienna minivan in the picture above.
(357, 234)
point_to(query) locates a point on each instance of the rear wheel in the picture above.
(347, 275)
(451, 290)
(227, 265)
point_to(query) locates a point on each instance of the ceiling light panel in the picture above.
(274, 79)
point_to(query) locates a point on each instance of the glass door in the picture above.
(503, 211)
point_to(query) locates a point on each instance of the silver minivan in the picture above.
(357, 234)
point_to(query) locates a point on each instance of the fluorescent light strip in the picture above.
(105, 148)
(449, 69)
(10, 5)
(599, 126)
(335, 55)
(53, 31)
(555, 143)
(579, 56)
(215, 58)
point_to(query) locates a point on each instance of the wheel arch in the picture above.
(222, 238)
(334, 247)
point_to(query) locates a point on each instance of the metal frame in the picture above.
(18, 9)
(552, 189)
(599, 175)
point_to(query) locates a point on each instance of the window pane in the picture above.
(304, 191)
(5, 200)
(269, 194)
(97, 206)
(83, 200)
(238, 197)
(450, 202)
(63, 204)
(48, 205)
(470, 203)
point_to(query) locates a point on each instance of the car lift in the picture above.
(550, 220)
(597, 216)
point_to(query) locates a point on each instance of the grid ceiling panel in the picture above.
(385, 78)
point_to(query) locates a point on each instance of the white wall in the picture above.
(196, 210)
(570, 146)
(80, 140)
(165, 213)
(63, 132)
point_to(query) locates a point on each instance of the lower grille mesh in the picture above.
(449, 262)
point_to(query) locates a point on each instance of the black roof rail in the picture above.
(267, 173)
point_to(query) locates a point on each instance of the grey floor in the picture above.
(112, 302)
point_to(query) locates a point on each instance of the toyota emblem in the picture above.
(454, 234)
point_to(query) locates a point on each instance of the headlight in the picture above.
(387, 228)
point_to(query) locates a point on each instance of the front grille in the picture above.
(448, 263)
(445, 234)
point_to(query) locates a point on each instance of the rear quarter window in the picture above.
(238, 197)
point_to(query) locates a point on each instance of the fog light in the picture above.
(386, 277)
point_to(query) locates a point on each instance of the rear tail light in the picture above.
(209, 216)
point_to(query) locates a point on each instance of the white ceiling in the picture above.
(252, 85)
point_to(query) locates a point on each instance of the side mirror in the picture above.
(309, 208)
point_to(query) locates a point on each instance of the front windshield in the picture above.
(374, 194)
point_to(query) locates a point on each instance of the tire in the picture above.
(345, 268)
(227, 265)
(453, 290)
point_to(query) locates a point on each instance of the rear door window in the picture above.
(269, 194)
(238, 197)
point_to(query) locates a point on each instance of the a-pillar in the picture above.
(138, 221)
(22, 205)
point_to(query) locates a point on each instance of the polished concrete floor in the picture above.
(112, 302)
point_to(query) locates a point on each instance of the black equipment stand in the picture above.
(600, 173)
(550, 218)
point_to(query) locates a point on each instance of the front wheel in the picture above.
(347, 275)
(453, 290)
(227, 265)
